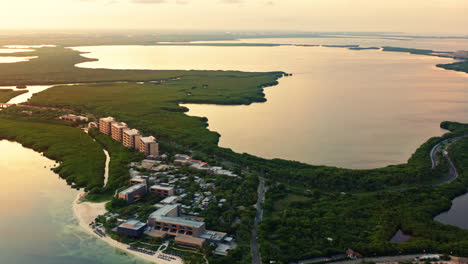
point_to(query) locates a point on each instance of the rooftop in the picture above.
(162, 187)
(133, 188)
(131, 132)
(149, 139)
(170, 200)
(107, 119)
(133, 224)
(160, 215)
(119, 124)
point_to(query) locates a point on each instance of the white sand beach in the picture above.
(86, 212)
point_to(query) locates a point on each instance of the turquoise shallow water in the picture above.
(36, 220)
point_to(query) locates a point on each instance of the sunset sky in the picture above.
(413, 16)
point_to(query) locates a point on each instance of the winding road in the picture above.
(256, 258)
(453, 173)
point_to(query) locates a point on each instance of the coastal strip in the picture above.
(86, 212)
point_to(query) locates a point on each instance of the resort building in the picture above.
(189, 241)
(168, 219)
(133, 193)
(198, 165)
(130, 137)
(149, 146)
(74, 118)
(181, 159)
(162, 190)
(132, 228)
(105, 125)
(139, 180)
(117, 130)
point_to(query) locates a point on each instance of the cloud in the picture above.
(270, 3)
(149, 1)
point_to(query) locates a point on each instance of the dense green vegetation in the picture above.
(319, 223)
(81, 159)
(153, 107)
(457, 66)
(164, 118)
(55, 65)
(7, 94)
(307, 214)
(121, 157)
(412, 51)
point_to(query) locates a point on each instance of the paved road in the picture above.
(256, 258)
(453, 173)
(388, 259)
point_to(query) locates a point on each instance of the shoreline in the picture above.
(86, 212)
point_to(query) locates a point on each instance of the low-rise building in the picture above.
(133, 193)
(130, 138)
(189, 241)
(198, 165)
(181, 159)
(148, 146)
(139, 180)
(105, 125)
(73, 118)
(132, 228)
(93, 125)
(117, 130)
(168, 219)
(221, 171)
(162, 190)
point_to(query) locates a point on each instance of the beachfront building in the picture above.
(105, 124)
(169, 220)
(133, 193)
(162, 190)
(117, 130)
(132, 228)
(148, 146)
(74, 118)
(130, 138)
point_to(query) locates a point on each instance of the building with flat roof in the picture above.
(74, 118)
(168, 219)
(130, 137)
(133, 193)
(139, 180)
(198, 165)
(149, 146)
(182, 159)
(189, 241)
(132, 228)
(162, 190)
(105, 125)
(117, 130)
